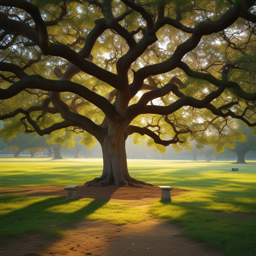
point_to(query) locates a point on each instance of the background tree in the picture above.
(207, 151)
(24, 142)
(60, 139)
(242, 148)
(171, 71)
(2, 145)
(194, 150)
(52, 143)
(78, 149)
(35, 150)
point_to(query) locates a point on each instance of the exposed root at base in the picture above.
(98, 182)
(101, 182)
(140, 182)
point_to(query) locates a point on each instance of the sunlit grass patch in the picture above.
(29, 172)
(51, 215)
(220, 208)
(221, 222)
(101, 210)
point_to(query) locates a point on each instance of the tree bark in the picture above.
(16, 154)
(115, 170)
(194, 156)
(50, 153)
(56, 151)
(241, 157)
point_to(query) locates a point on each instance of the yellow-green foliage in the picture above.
(35, 150)
(62, 137)
(14, 148)
(11, 129)
(160, 148)
(207, 57)
(87, 140)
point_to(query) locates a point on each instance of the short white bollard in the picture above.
(72, 191)
(166, 193)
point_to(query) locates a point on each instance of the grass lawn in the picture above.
(220, 209)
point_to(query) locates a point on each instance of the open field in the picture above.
(220, 208)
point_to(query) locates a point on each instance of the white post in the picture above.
(72, 191)
(166, 193)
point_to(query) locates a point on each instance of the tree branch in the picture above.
(174, 23)
(19, 72)
(81, 121)
(248, 16)
(143, 12)
(57, 20)
(35, 14)
(37, 82)
(161, 8)
(136, 109)
(218, 112)
(235, 88)
(144, 131)
(20, 111)
(67, 53)
(49, 130)
(203, 28)
(183, 101)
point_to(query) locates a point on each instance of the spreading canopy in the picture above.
(168, 69)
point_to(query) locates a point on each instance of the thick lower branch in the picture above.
(38, 82)
(79, 120)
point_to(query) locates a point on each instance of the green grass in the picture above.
(220, 209)
(52, 215)
(36, 172)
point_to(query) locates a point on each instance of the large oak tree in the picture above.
(170, 70)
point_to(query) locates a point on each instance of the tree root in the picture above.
(140, 182)
(98, 182)
(101, 182)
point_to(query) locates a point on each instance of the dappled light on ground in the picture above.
(148, 238)
(218, 208)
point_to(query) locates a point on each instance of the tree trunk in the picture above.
(32, 154)
(208, 158)
(16, 154)
(56, 151)
(115, 170)
(50, 153)
(76, 154)
(241, 157)
(194, 155)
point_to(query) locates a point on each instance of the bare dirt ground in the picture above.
(147, 238)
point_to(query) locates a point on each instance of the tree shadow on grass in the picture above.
(39, 217)
(213, 221)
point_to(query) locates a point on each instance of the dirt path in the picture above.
(104, 239)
